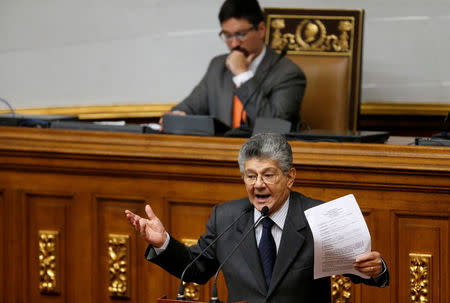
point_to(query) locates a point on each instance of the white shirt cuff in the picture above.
(242, 78)
(159, 250)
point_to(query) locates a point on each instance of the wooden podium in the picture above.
(165, 300)
(71, 187)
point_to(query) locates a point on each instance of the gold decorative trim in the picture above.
(341, 289)
(421, 109)
(100, 112)
(189, 242)
(48, 241)
(311, 34)
(156, 110)
(118, 252)
(191, 289)
(420, 277)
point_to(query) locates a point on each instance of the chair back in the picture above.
(327, 45)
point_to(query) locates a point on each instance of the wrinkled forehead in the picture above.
(260, 164)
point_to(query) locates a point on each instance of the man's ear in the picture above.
(262, 29)
(291, 177)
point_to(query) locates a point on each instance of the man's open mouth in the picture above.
(262, 196)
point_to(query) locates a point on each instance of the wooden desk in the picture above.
(67, 190)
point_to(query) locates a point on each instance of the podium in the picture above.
(165, 300)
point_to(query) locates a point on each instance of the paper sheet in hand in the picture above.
(340, 236)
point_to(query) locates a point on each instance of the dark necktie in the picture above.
(267, 249)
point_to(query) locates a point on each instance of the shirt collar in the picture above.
(279, 217)
(255, 63)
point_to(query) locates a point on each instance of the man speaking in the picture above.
(274, 261)
(252, 80)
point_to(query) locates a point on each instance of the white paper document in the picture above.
(340, 236)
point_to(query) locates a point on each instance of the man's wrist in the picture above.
(242, 78)
(163, 247)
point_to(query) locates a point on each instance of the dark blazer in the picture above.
(292, 278)
(275, 91)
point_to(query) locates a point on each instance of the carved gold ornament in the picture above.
(48, 249)
(311, 35)
(191, 289)
(341, 288)
(118, 248)
(420, 277)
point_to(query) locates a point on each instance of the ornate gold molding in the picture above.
(48, 261)
(420, 277)
(311, 34)
(388, 108)
(118, 250)
(191, 289)
(189, 242)
(100, 112)
(341, 289)
(156, 110)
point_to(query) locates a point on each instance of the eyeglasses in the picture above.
(267, 177)
(240, 35)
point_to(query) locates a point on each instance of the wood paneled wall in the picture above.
(78, 184)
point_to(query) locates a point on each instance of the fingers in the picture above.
(133, 218)
(250, 58)
(149, 211)
(369, 264)
(373, 255)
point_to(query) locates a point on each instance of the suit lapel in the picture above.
(266, 63)
(291, 242)
(226, 97)
(249, 252)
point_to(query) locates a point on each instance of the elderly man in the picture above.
(275, 262)
(249, 82)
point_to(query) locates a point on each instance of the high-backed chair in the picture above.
(327, 45)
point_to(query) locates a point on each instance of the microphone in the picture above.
(180, 295)
(214, 298)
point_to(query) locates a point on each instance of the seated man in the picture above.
(275, 262)
(252, 80)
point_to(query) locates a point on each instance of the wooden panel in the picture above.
(187, 222)
(422, 234)
(111, 221)
(79, 183)
(3, 246)
(48, 212)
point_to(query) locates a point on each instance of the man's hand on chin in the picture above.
(237, 62)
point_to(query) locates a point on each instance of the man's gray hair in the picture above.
(270, 146)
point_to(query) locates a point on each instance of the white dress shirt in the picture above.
(244, 77)
(279, 217)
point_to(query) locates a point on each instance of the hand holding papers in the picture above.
(340, 236)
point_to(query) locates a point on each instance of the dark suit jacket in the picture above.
(275, 91)
(292, 278)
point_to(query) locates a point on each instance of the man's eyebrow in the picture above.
(262, 170)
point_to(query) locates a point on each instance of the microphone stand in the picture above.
(214, 298)
(180, 295)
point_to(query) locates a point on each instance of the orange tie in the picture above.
(239, 113)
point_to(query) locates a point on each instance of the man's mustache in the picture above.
(240, 49)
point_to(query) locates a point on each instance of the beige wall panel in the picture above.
(422, 234)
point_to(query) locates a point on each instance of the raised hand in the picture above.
(150, 229)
